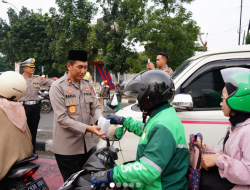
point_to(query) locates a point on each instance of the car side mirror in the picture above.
(183, 102)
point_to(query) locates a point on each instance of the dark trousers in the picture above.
(70, 164)
(33, 118)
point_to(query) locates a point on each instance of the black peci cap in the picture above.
(78, 55)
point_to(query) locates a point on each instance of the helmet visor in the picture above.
(136, 87)
(236, 76)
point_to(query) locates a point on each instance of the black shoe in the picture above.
(35, 155)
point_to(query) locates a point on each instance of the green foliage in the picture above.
(248, 39)
(120, 16)
(198, 47)
(137, 62)
(164, 27)
(25, 38)
(169, 29)
(5, 66)
(70, 29)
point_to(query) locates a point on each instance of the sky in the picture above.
(218, 19)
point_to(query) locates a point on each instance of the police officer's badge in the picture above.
(69, 81)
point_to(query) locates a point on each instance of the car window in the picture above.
(206, 90)
(181, 68)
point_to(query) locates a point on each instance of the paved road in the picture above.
(46, 121)
(49, 171)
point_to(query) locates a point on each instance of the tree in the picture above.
(5, 66)
(119, 17)
(169, 28)
(70, 29)
(138, 62)
(26, 38)
(248, 39)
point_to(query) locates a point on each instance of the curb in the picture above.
(128, 101)
(44, 145)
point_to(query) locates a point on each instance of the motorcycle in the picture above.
(100, 160)
(44, 99)
(20, 177)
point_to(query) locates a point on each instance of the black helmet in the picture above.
(152, 89)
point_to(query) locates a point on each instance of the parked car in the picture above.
(198, 77)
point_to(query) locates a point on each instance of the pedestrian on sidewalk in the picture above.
(105, 95)
(75, 106)
(30, 99)
(118, 92)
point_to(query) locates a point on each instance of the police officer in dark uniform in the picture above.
(30, 99)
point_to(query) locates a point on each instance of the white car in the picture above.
(200, 78)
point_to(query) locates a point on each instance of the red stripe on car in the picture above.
(207, 122)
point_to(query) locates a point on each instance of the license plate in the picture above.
(70, 180)
(37, 185)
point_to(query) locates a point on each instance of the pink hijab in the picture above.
(15, 113)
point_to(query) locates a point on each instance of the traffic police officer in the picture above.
(30, 99)
(161, 61)
(75, 105)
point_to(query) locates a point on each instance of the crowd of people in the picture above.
(163, 154)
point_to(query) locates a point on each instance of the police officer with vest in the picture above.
(161, 61)
(75, 105)
(30, 99)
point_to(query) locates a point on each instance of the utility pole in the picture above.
(204, 44)
(243, 38)
(240, 21)
(248, 28)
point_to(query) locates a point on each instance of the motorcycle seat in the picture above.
(26, 160)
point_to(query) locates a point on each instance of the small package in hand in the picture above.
(100, 121)
(105, 126)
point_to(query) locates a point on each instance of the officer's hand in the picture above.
(102, 177)
(150, 66)
(95, 129)
(115, 119)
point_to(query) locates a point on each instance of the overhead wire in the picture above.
(223, 32)
(216, 26)
(219, 15)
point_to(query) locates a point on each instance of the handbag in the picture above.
(109, 103)
(114, 102)
(194, 169)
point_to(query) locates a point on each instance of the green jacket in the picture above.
(162, 156)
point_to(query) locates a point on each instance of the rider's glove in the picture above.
(115, 119)
(102, 177)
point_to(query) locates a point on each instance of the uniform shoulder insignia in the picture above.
(85, 79)
(167, 71)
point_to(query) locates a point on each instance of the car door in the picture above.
(205, 86)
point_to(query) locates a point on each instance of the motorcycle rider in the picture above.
(230, 170)
(162, 156)
(15, 137)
